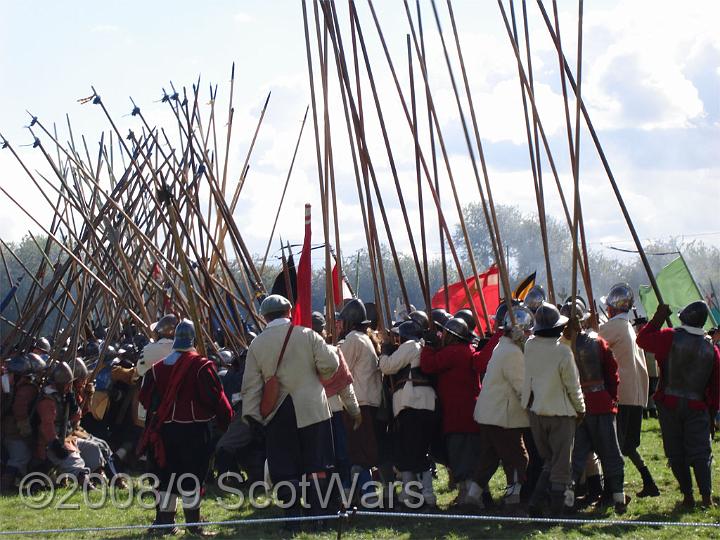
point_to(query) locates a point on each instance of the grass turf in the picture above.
(16, 515)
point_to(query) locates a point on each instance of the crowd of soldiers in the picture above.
(555, 403)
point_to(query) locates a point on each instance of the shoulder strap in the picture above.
(282, 351)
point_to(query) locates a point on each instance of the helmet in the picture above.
(620, 297)
(100, 332)
(440, 317)
(580, 299)
(79, 369)
(91, 349)
(318, 322)
(409, 330)
(185, 335)
(694, 314)
(61, 374)
(19, 365)
(354, 313)
(579, 312)
(43, 344)
(502, 311)
(110, 354)
(371, 313)
(535, 298)
(421, 319)
(524, 319)
(165, 327)
(458, 328)
(275, 303)
(37, 364)
(467, 316)
(547, 316)
(226, 357)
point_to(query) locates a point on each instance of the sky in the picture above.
(650, 80)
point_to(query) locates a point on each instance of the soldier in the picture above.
(458, 386)
(413, 407)
(56, 409)
(498, 410)
(182, 394)
(599, 382)
(552, 395)
(634, 380)
(298, 429)
(361, 357)
(688, 394)
(152, 352)
(17, 409)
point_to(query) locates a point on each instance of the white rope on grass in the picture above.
(389, 515)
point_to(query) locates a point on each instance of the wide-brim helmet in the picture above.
(535, 298)
(620, 297)
(354, 313)
(695, 314)
(548, 316)
(458, 328)
(421, 319)
(524, 319)
(467, 316)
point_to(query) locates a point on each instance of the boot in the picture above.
(405, 478)
(703, 479)
(461, 498)
(474, 495)
(557, 501)
(649, 488)
(682, 475)
(539, 495)
(594, 489)
(7, 480)
(163, 518)
(428, 491)
(512, 494)
(192, 515)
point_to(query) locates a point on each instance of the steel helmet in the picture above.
(620, 297)
(467, 316)
(409, 330)
(184, 335)
(535, 298)
(694, 314)
(548, 316)
(165, 327)
(61, 374)
(458, 328)
(580, 299)
(421, 319)
(91, 349)
(79, 369)
(37, 364)
(226, 357)
(43, 344)
(579, 312)
(502, 311)
(524, 319)
(354, 313)
(440, 317)
(19, 365)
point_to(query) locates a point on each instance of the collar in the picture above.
(622, 315)
(277, 322)
(692, 330)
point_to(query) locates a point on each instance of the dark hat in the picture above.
(458, 328)
(354, 313)
(318, 321)
(547, 316)
(694, 314)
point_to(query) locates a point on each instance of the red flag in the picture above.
(302, 313)
(339, 294)
(489, 284)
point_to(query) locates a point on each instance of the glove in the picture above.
(663, 312)
(24, 427)
(357, 421)
(58, 448)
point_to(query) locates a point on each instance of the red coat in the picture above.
(659, 341)
(199, 398)
(482, 359)
(458, 384)
(605, 401)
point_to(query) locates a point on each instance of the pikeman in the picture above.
(498, 409)
(688, 394)
(458, 386)
(361, 357)
(599, 380)
(182, 394)
(23, 386)
(413, 407)
(634, 380)
(153, 352)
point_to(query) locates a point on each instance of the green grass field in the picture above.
(15, 515)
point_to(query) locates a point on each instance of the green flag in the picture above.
(678, 289)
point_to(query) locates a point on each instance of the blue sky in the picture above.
(651, 79)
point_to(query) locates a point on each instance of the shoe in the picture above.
(193, 516)
(649, 488)
(621, 502)
(688, 501)
(512, 494)
(428, 491)
(163, 518)
(707, 502)
(474, 495)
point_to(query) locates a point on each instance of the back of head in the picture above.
(184, 336)
(458, 328)
(535, 298)
(318, 322)
(548, 321)
(353, 314)
(467, 316)
(620, 298)
(410, 331)
(274, 307)
(61, 374)
(695, 314)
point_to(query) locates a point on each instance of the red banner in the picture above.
(488, 283)
(302, 313)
